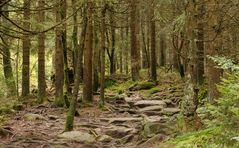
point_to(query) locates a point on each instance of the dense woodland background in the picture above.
(71, 52)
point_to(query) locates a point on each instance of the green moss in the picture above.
(142, 86)
(153, 90)
(202, 94)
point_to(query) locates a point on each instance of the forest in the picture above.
(119, 73)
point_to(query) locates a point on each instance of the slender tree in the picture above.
(87, 73)
(102, 68)
(135, 52)
(153, 62)
(59, 63)
(26, 44)
(41, 56)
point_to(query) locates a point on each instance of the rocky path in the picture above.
(128, 120)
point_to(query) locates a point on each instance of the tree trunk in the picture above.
(59, 63)
(153, 62)
(67, 88)
(213, 48)
(26, 44)
(95, 61)
(87, 73)
(135, 52)
(74, 35)
(41, 56)
(102, 68)
(162, 59)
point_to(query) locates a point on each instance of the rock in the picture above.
(142, 86)
(170, 111)
(152, 128)
(33, 117)
(118, 131)
(151, 108)
(77, 136)
(143, 103)
(168, 101)
(104, 138)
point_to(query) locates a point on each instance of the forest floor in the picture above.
(136, 118)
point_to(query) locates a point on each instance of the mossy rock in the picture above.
(153, 90)
(151, 129)
(142, 86)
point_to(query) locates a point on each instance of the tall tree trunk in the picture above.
(153, 62)
(162, 59)
(87, 73)
(200, 43)
(41, 56)
(95, 61)
(67, 88)
(7, 66)
(213, 48)
(26, 44)
(74, 35)
(135, 52)
(102, 60)
(111, 53)
(82, 44)
(59, 63)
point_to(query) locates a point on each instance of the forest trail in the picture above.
(128, 120)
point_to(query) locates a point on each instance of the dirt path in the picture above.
(127, 121)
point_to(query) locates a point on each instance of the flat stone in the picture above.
(144, 103)
(151, 108)
(77, 136)
(170, 111)
(118, 131)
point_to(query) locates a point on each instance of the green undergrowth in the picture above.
(210, 138)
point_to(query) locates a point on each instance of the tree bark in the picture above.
(59, 63)
(153, 62)
(26, 44)
(41, 56)
(135, 52)
(102, 68)
(87, 73)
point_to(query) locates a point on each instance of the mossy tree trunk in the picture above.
(59, 63)
(7, 66)
(41, 56)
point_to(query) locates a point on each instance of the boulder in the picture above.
(77, 136)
